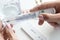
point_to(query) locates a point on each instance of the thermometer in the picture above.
(35, 14)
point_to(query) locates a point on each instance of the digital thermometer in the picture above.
(35, 14)
(26, 16)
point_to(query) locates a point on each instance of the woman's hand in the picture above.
(9, 34)
(53, 19)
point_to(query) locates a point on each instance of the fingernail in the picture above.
(11, 25)
(41, 22)
(14, 31)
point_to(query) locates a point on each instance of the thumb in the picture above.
(49, 18)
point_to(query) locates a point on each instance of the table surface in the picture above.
(54, 35)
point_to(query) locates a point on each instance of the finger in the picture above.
(14, 31)
(41, 20)
(11, 25)
(54, 24)
(1, 26)
(8, 32)
(45, 6)
(51, 17)
(5, 35)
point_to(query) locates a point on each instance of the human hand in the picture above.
(46, 5)
(53, 19)
(9, 33)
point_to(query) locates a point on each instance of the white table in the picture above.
(54, 33)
